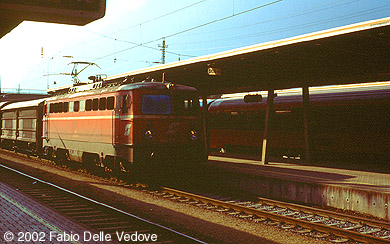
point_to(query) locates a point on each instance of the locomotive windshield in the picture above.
(169, 104)
(156, 104)
(184, 105)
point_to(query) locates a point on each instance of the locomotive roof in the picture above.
(156, 85)
(2, 104)
(101, 88)
(23, 104)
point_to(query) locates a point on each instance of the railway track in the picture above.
(96, 216)
(334, 226)
(337, 227)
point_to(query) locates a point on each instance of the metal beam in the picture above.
(306, 119)
(267, 123)
(205, 123)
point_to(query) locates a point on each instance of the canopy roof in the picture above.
(350, 54)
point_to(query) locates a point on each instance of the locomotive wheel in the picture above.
(61, 158)
(120, 166)
(92, 163)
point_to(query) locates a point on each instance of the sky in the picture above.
(36, 55)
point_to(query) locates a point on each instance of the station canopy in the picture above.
(74, 12)
(350, 54)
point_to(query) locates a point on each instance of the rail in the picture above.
(106, 218)
(339, 224)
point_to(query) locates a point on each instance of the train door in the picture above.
(45, 120)
(122, 136)
(123, 120)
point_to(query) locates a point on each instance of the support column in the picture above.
(267, 123)
(306, 118)
(205, 123)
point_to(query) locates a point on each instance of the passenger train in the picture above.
(347, 122)
(120, 126)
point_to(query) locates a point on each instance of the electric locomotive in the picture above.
(347, 122)
(124, 126)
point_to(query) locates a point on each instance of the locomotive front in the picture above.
(159, 126)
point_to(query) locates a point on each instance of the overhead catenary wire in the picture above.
(136, 25)
(186, 30)
(248, 35)
(288, 16)
(279, 30)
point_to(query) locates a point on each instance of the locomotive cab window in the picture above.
(156, 104)
(186, 106)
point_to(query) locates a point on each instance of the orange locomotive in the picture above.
(124, 126)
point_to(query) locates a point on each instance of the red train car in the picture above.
(125, 126)
(345, 122)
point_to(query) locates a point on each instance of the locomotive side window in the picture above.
(88, 105)
(82, 105)
(95, 104)
(65, 107)
(55, 107)
(71, 106)
(76, 106)
(110, 103)
(102, 103)
(156, 104)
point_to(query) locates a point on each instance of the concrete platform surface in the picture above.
(361, 191)
(23, 220)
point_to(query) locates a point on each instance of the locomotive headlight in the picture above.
(193, 135)
(149, 135)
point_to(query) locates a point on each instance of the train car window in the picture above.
(76, 106)
(88, 105)
(95, 104)
(255, 120)
(110, 103)
(65, 107)
(102, 103)
(156, 104)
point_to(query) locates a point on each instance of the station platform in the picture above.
(347, 189)
(23, 220)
